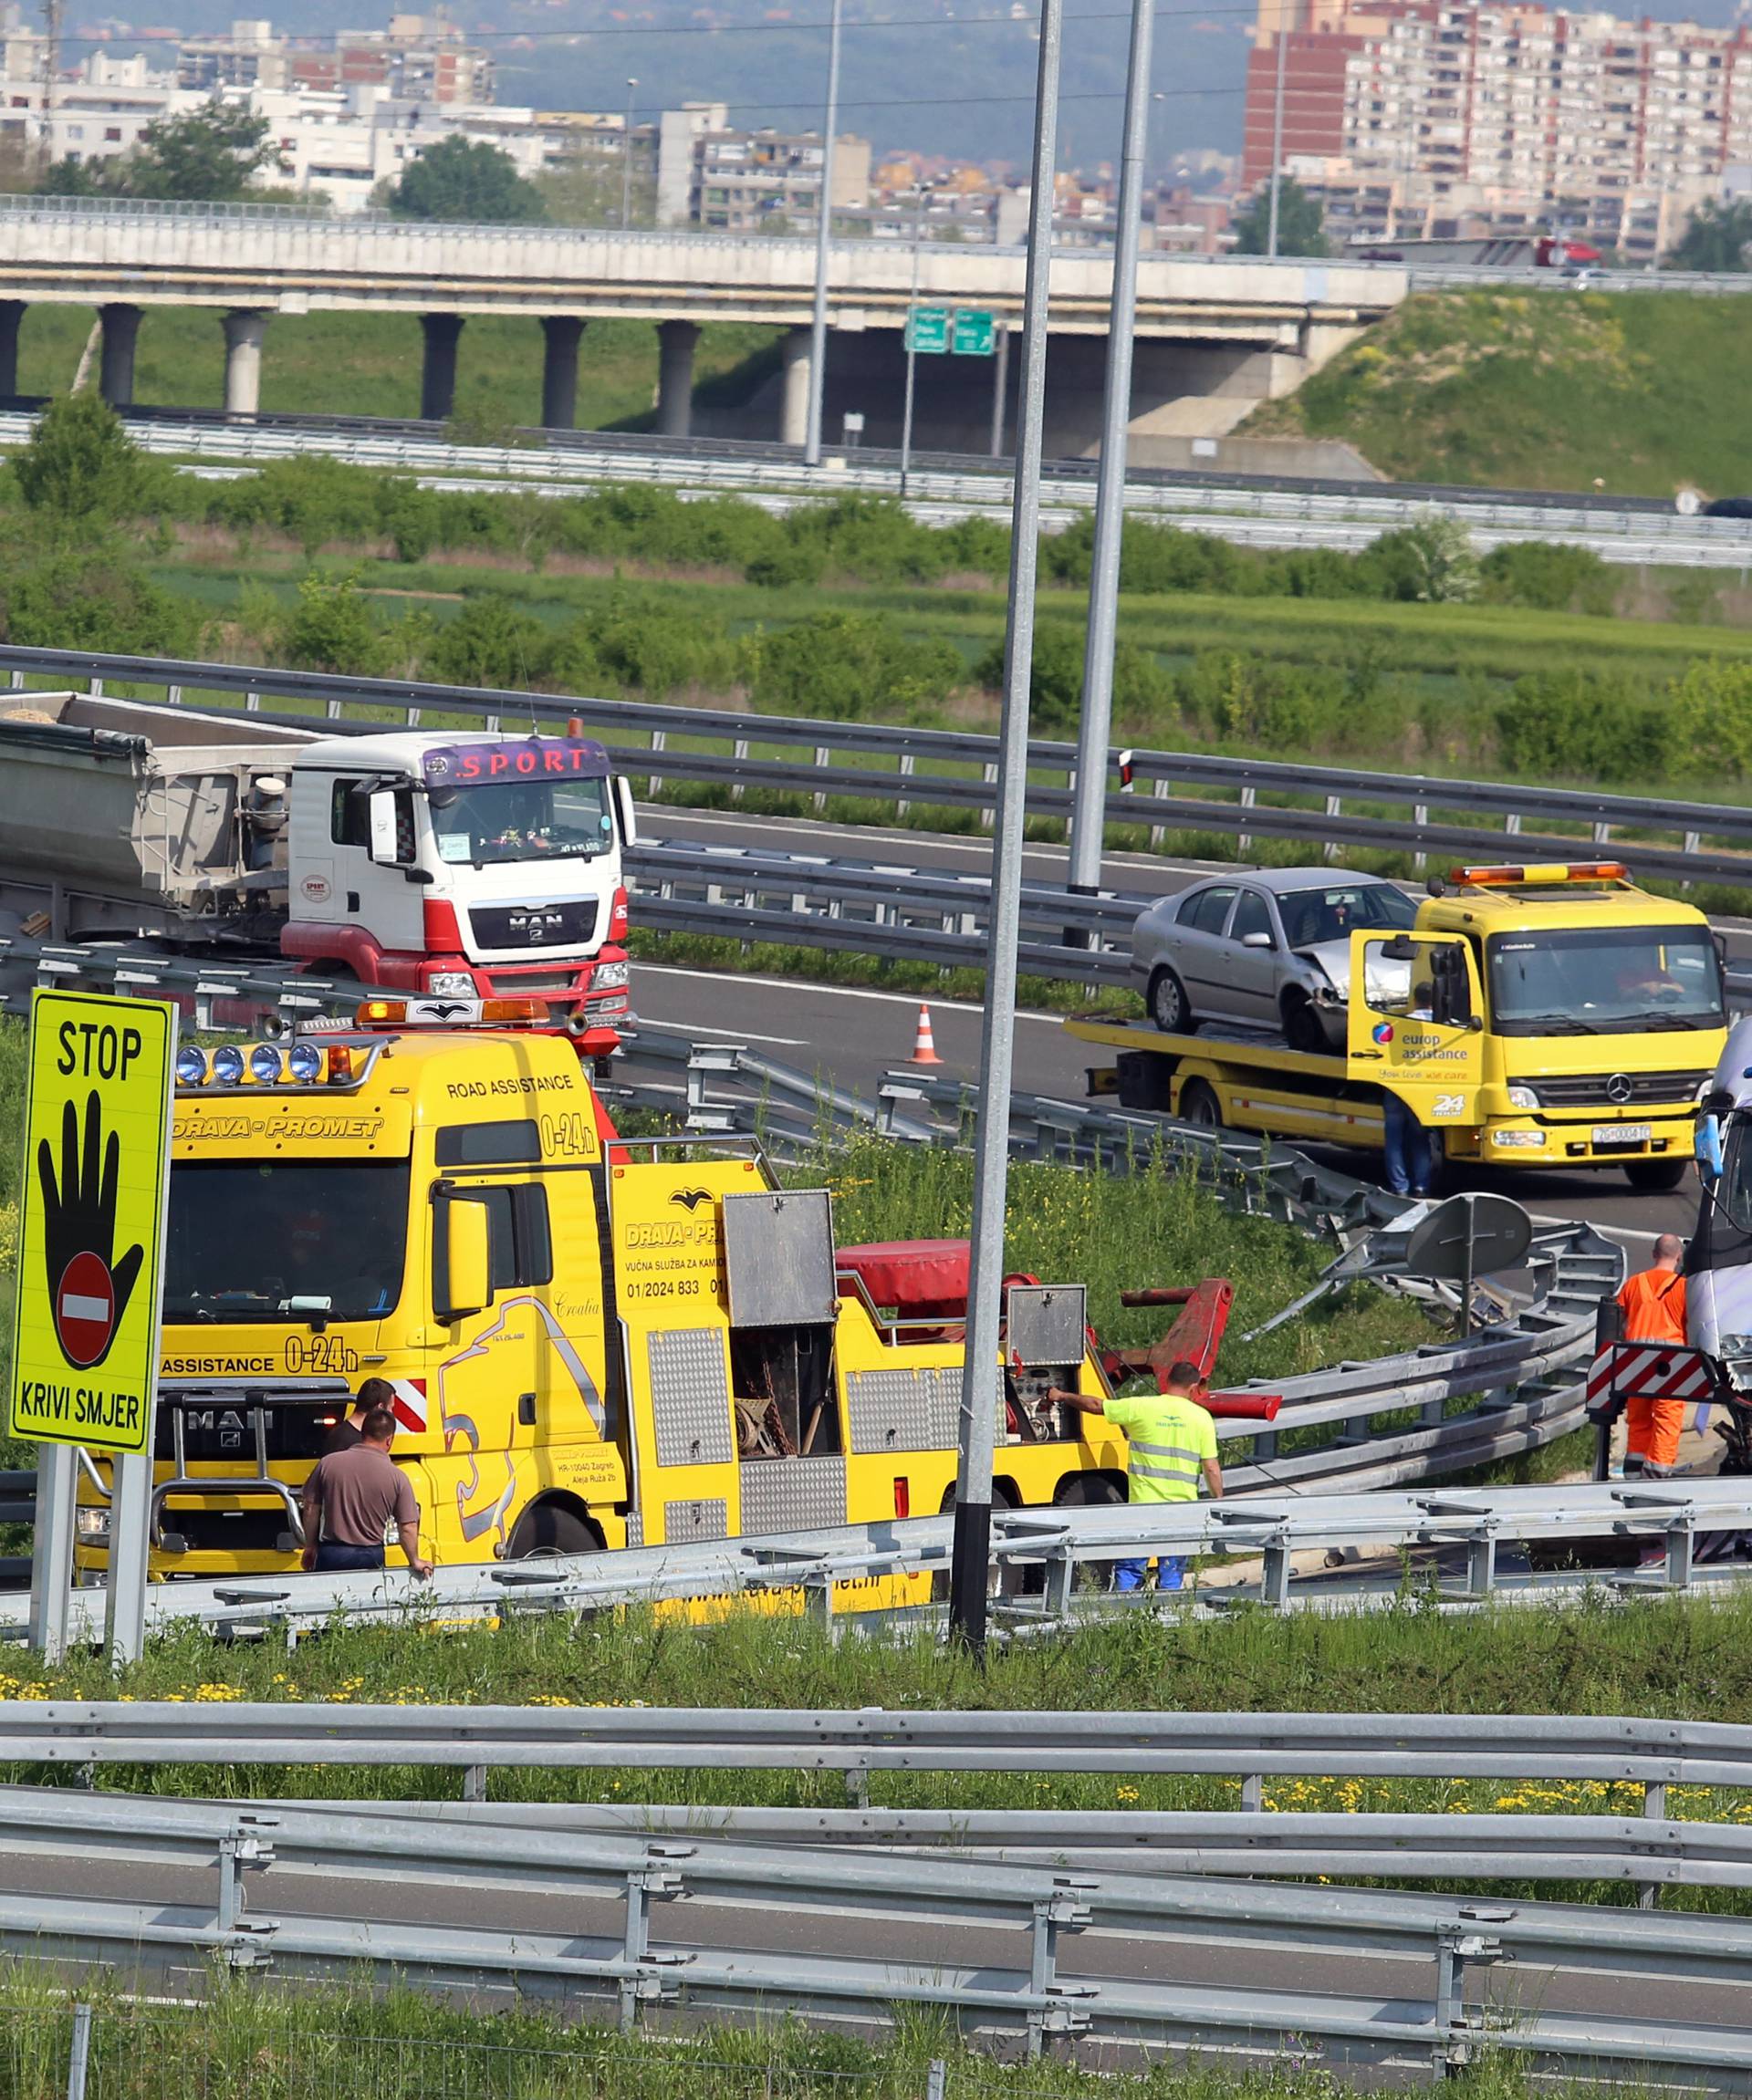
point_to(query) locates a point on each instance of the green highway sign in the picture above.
(973, 334)
(927, 331)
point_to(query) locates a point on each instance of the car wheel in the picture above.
(1655, 1174)
(1199, 1103)
(1170, 1008)
(1303, 1029)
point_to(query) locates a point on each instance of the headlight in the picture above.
(305, 1062)
(608, 976)
(92, 1522)
(1522, 1097)
(190, 1066)
(1523, 1140)
(451, 984)
(266, 1064)
(228, 1064)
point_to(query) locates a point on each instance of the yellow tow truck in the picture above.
(1551, 1015)
(592, 1342)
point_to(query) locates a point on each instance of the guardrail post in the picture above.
(654, 782)
(78, 2055)
(1602, 835)
(643, 1884)
(936, 2080)
(1512, 822)
(857, 1786)
(1676, 1570)
(818, 1605)
(1162, 790)
(739, 749)
(1059, 1912)
(1480, 1563)
(823, 757)
(18, 681)
(1060, 1580)
(474, 1783)
(97, 689)
(1273, 1581)
(988, 814)
(1334, 807)
(172, 693)
(1253, 1793)
(900, 803)
(1654, 1808)
(1243, 839)
(251, 703)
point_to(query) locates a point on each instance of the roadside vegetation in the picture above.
(1640, 392)
(248, 2038)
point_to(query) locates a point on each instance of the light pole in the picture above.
(1277, 130)
(823, 234)
(1088, 806)
(625, 163)
(981, 1392)
(912, 353)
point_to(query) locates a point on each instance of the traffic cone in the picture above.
(924, 1047)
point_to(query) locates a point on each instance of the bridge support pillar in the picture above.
(243, 331)
(562, 334)
(675, 341)
(116, 371)
(12, 314)
(794, 418)
(438, 374)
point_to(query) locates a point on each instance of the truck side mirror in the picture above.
(466, 1286)
(623, 805)
(381, 806)
(1709, 1147)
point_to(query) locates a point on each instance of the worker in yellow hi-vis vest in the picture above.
(1170, 1440)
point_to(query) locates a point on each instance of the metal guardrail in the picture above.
(1039, 1956)
(1056, 1543)
(953, 769)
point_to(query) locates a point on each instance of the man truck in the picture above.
(1548, 1016)
(453, 866)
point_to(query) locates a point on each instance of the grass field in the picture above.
(369, 364)
(1644, 391)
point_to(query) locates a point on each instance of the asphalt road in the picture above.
(852, 1035)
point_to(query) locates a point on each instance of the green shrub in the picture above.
(1565, 723)
(1547, 577)
(1260, 703)
(95, 599)
(1429, 562)
(845, 666)
(492, 642)
(313, 497)
(1708, 721)
(332, 627)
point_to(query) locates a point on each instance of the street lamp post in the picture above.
(911, 351)
(981, 1393)
(1278, 130)
(1088, 808)
(625, 163)
(823, 234)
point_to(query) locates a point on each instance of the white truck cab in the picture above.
(462, 868)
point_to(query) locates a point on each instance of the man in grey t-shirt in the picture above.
(350, 1499)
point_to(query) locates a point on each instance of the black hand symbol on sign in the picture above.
(79, 1233)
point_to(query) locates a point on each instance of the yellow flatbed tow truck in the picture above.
(1551, 1017)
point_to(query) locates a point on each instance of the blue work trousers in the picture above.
(1171, 1573)
(1406, 1146)
(333, 1558)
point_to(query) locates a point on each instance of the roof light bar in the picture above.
(1540, 872)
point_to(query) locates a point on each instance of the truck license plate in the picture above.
(1622, 1134)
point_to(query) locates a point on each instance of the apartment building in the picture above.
(727, 181)
(1411, 114)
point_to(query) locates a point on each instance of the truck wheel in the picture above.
(1002, 1580)
(545, 1530)
(1170, 1008)
(1088, 1492)
(1302, 1026)
(1655, 1174)
(1199, 1103)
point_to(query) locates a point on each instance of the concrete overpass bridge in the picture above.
(1214, 336)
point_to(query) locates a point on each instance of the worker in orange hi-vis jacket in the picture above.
(1653, 1303)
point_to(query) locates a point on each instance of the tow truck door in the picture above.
(1416, 1022)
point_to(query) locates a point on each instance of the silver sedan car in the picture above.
(1266, 949)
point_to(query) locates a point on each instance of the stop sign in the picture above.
(85, 1309)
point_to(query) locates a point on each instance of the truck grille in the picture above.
(1595, 1089)
(526, 926)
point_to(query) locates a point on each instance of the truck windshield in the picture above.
(1604, 980)
(523, 821)
(246, 1237)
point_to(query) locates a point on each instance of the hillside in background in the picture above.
(1645, 392)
